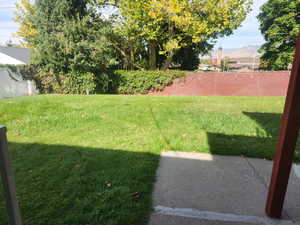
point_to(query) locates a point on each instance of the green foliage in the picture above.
(71, 42)
(23, 15)
(166, 26)
(75, 48)
(187, 58)
(79, 83)
(91, 160)
(279, 26)
(133, 82)
(131, 52)
(72, 83)
(47, 82)
(119, 81)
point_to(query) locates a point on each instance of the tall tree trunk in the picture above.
(152, 55)
(127, 59)
(171, 54)
(168, 61)
(131, 58)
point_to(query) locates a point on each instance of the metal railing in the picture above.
(9, 186)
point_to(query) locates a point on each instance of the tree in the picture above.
(27, 31)
(71, 44)
(130, 51)
(278, 24)
(187, 58)
(166, 26)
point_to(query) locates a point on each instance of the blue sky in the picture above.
(7, 25)
(247, 34)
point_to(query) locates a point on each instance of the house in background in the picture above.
(14, 56)
(12, 81)
(241, 59)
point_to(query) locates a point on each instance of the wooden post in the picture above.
(287, 139)
(8, 181)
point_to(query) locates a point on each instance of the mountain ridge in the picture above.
(249, 51)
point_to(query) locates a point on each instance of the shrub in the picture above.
(114, 82)
(75, 83)
(72, 83)
(141, 82)
(47, 82)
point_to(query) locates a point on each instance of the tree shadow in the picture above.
(261, 145)
(63, 185)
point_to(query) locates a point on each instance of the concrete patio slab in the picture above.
(195, 188)
(263, 169)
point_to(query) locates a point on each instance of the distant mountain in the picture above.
(244, 52)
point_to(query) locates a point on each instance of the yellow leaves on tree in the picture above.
(171, 22)
(26, 30)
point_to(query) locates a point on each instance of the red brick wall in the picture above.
(229, 84)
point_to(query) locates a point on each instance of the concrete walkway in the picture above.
(204, 189)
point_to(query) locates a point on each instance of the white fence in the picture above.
(13, 84)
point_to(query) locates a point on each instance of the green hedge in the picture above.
(114, 82)
(141, 82)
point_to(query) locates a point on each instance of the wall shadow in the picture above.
(63, 185)
(260, 145)
(270, 122)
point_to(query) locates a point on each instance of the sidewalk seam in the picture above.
(256, 173)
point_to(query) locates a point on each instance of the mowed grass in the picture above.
(91, 160)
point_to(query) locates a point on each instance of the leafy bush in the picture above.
(134, 82)
(47, 82)
(79, 83)
(115, 82)
(72, 83)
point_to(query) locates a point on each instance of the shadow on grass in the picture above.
(71, 185)
(261, 145)
(270, 122)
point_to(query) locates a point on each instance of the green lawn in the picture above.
(91, 160)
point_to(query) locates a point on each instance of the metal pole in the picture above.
(287, 139)
(8, 181)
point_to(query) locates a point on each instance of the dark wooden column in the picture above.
(8, 181)
(286, 142)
